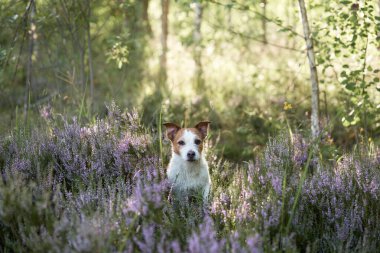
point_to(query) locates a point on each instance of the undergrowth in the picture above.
(102, 188)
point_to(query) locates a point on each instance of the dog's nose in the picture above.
(191, 154)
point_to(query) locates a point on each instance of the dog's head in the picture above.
(187, 142)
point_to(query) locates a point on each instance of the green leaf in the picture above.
(344, 16)
(355, 120)
(345, 2)
(350, 86)
(285, 29)
(345, 122)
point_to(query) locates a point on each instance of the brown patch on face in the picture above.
(177, 137)
(175, 133)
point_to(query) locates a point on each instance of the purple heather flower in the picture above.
(147, 193)
(175, 247)
(205, 241)
(343, 229)
(46, 112)
(254, 244)
(276, 182)
(300, 147)
(374, 188)
(148, 242)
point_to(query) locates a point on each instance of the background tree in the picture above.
(197, 37)
(32, 37)
(89, 49)
(313, 71)
(164, 43)
(264, 21)
(217, 69)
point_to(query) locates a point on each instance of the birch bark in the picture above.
(313, 71)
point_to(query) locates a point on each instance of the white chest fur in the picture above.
(186, 175)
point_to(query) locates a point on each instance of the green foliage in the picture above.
(345, 45)
(246, 80)
(119, 53)
(101, 187)
(73, 183)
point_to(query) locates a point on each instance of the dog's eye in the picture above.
(197, 141)
(181, 143)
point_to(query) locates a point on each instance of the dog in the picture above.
(188, 169)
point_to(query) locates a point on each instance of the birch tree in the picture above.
(313, 71)
(29, 65)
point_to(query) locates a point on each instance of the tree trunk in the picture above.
(313, 72)
(264, 21)
(197, 37)
(137, 44)
(145, 17)
(378, 33)
(90, 65)
(164, 43)
(29, 67)
(82, 54)
(78, 40)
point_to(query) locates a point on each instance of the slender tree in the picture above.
(313, 71)
(378, 33)
(264, 21)
(77, 34)
(145, 16)
(164, 42)
(31, 10)
(90, 64)
(137, 43)
(197, 37)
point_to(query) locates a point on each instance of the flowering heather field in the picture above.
(102, 188)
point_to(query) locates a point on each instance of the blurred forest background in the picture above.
(241, 64)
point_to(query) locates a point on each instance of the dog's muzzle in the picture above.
(191, 156)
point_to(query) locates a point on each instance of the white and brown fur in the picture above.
(188, 168)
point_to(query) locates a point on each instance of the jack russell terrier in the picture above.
(188, 169)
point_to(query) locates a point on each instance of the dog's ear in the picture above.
(171, 130)
(203, 128)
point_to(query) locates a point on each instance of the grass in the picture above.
(101, 187)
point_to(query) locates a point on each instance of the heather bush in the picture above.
(101, 187)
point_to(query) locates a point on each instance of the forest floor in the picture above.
(101, 187)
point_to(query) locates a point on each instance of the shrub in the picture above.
(101, 188)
